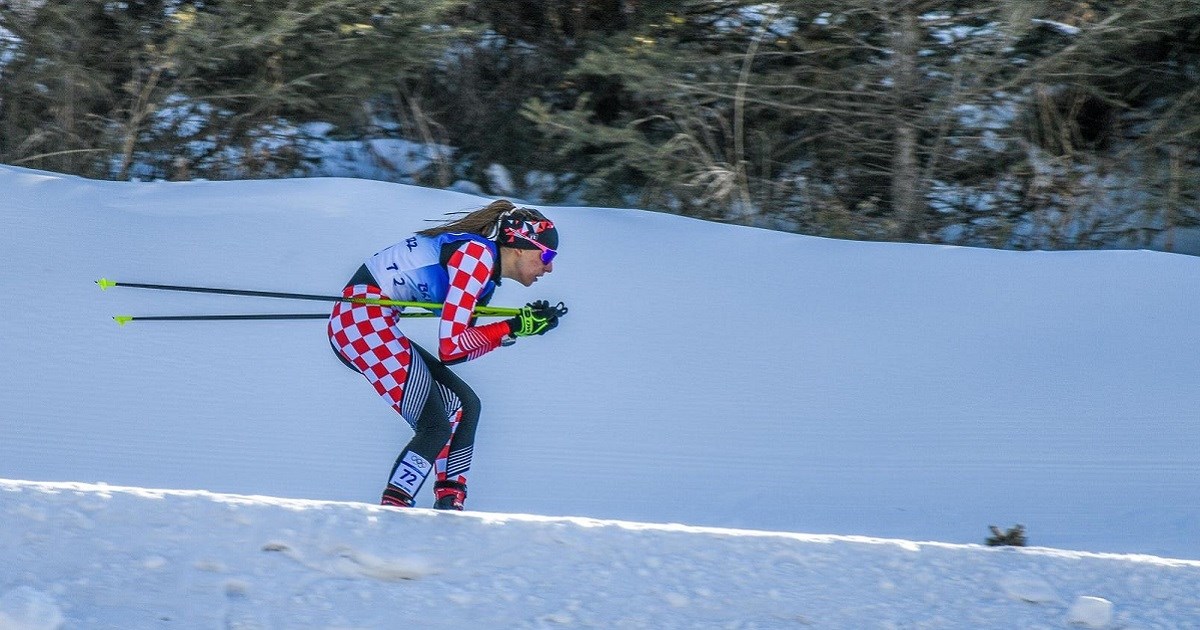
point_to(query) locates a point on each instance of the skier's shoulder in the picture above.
(472, 245)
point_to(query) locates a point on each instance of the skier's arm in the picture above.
(470, 267)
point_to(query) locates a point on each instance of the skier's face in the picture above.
(527, 266)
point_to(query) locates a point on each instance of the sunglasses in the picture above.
(547, 253)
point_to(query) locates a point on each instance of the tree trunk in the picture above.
(906, 176)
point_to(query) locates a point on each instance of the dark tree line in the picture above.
(1028, 124)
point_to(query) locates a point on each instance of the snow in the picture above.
(1065, 29)
(1091, 612)
(106, 556)
(732, 428)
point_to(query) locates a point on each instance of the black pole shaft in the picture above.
(481, 311)
(270, 294)
(203, 318)
(214, 318)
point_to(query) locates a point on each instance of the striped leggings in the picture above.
(442, 410)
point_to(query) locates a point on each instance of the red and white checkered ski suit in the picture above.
(459, 271)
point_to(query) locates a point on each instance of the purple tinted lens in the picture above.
(548, 256)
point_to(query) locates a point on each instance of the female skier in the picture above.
(457, 264)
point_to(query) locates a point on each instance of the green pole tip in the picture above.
(105, 283)
(123, 319)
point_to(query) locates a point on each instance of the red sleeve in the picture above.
(470, 268)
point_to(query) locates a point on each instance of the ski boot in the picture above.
(450, 495)
(395, 497)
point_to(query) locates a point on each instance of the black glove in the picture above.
(536, 318)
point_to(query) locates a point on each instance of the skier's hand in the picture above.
(536, 318)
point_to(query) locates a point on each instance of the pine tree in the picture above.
(216, 86)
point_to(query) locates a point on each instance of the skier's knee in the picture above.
(471, 405)
(434, 431)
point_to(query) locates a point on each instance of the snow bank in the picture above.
(80, 555)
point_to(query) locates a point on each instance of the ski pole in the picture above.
(125, 319)
(497, 311)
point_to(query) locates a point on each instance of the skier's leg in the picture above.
(462, 409)
(365, 334)
(431, 430)
(444, 455)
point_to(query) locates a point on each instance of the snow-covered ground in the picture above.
(712, 375)
(108, 557)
